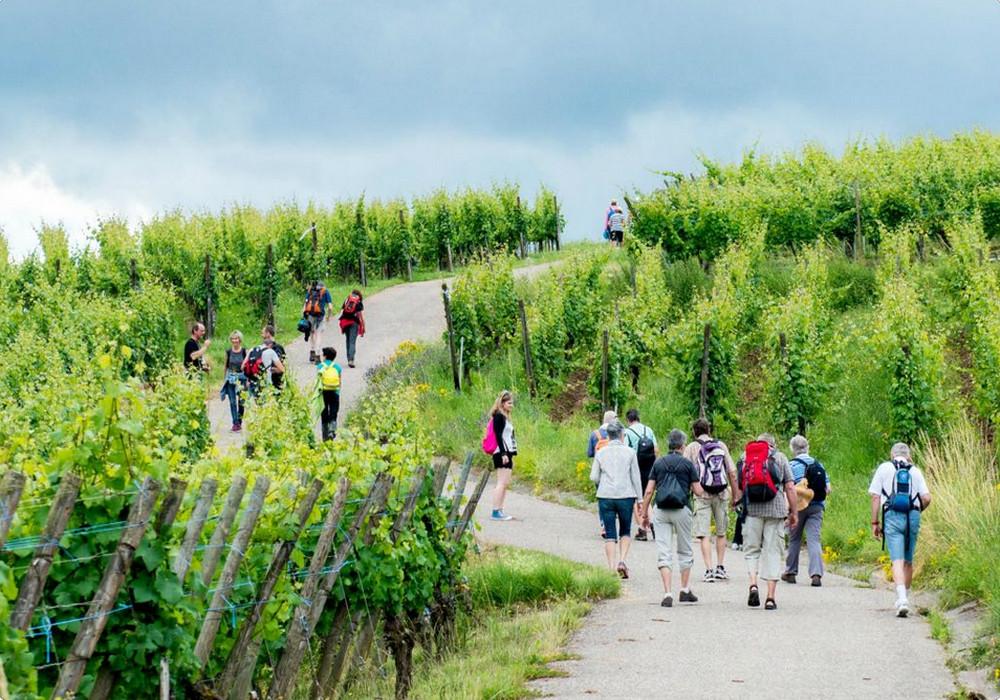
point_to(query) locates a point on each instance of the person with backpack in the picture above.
(616, 226)
(598, 440)
(500, 436)
(264, 364)
(769, 488)
(352, 322)
(235, 383)
(328, 380)
(641, 439)
(899, 490)
(615, 471)
(808, 473)
(314, 311)
(671, 482)
(717, 476)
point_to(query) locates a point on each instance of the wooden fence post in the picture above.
(209, 304)
(363, 272)
(164, 679)
(240, 662)
(463, 478)
(529, 367)
(213, 553)
(461, 362)
(115, 573)
(213, 616)
(703, 400)
(470, 507)
(171, 506)
(270, 284)
(439, 467)
(11, 489)
(555, 201)
(451, 336)
(33, 583)
(604, 370)
(524, 248)
(196, 523)
(858, 237)
(451, 267)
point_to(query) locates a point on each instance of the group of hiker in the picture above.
(614, 224)
(248, 370)
(683, 494)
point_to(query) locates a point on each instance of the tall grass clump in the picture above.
(508, 576)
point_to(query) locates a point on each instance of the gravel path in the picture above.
(838, 641)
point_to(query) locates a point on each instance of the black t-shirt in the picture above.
(191, 347)
(681, 467)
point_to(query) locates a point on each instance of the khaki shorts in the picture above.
(708, 509)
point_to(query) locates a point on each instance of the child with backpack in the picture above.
(643, 441)
(314, 312)
(328, 375)
(717, 476)
(352, 322)
(900, 492)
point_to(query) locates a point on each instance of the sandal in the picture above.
(754, 600)
(622, 570)
(769, 604)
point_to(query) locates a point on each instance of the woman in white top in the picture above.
(616, 472)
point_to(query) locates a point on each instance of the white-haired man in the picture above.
(807, 472)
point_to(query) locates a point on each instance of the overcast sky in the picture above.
(136, 107)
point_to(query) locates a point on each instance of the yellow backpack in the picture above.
(329, 377)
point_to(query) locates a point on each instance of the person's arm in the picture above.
(876, 507)
(200, 352)
(361, 323)
(595, 472)
(591, 443)
(925, 501)
(646, 499)
(698, 489)
(633, 472)
(277, 364)
(793, 503)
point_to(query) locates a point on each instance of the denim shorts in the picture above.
(896, 541)
(616, 516)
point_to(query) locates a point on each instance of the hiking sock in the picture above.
(901, 592)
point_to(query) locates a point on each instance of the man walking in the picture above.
(643, 441)
(316, 311)
(717, 476)
(900, 491)
(671, 482)
(810, 519)
(767, 479)
(194, 352)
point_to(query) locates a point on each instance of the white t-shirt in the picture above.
(885, 475)
(268, 358)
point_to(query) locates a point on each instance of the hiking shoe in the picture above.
(709, 576)
(720, 573)
(622, 570)
(817, 581)
(500, 515)
(788, 577)
(235, 428)
(688, 597)
(667, 602)
(769, 604)
(350, 364)
(753, 600)
(902, 608)
(312, 356)
(640, 536)
(737, 547)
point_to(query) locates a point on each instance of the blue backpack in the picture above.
(901, 500)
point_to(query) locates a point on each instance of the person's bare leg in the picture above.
(500, 490)
(624, 545)
(772, 586)
(908, 574)
(706, 552)
(685, 578)
(899, 573)
(609, 550)
(665, 575)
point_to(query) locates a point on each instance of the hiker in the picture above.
(264, 363)
(812, 487)
(641, 439)
(328, 381)
(607, 219)
(506, 450)
(235, 383)
(194, 351)
(352, 322)
(598, 440)
(616, 227)
(717, 476)
(766, 479)
(671, 482)
(315, 311)
(276, 371)
(615, 470)
(900, 491)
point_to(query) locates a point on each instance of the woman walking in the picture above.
(236, 381)
(352, 322)
(616, 472)
(503, 455)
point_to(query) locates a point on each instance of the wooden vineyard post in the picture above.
(703, 400)
(470, 507)
(117, 570)
(11, 489)
(209, 304)
(920, 246)
(463, 478)
(439, 466)
(858, 237)
(213, 616)
(524, 248)
(362, 271)
(195, 525)
(164, 679)
(213, 552)
(409, 256)
(33, 582)
(270, 284)
(604, 371)
(461, 361)
(133, 274)
(171, 505)
(451, 337)
(241, 663)
(299, 629)
(529, 368)
(451, 267)
(555, 202)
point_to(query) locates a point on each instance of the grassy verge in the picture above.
(525, 605)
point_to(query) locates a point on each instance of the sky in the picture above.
(117, 107)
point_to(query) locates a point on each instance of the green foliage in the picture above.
(484, 308)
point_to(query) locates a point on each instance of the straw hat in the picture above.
(803, 494)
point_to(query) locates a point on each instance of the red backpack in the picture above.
(351, 304)
(760, 472)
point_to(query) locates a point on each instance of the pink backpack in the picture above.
(490, 439)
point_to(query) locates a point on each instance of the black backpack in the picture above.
(816, 478)
(645, 450)
(670, 495)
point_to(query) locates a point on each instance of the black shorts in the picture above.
(617, 236)
(498, 462)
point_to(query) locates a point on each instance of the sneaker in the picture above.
(902, 608)
(737, 547)
(668, 601)
(500, 515)
(312, 356)
(350, 364)
(235, 428)
(720, 573)
(688, 597)
(753, 600)
(788, 577)
(817, 581)
(640, 536)
(709, 576)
